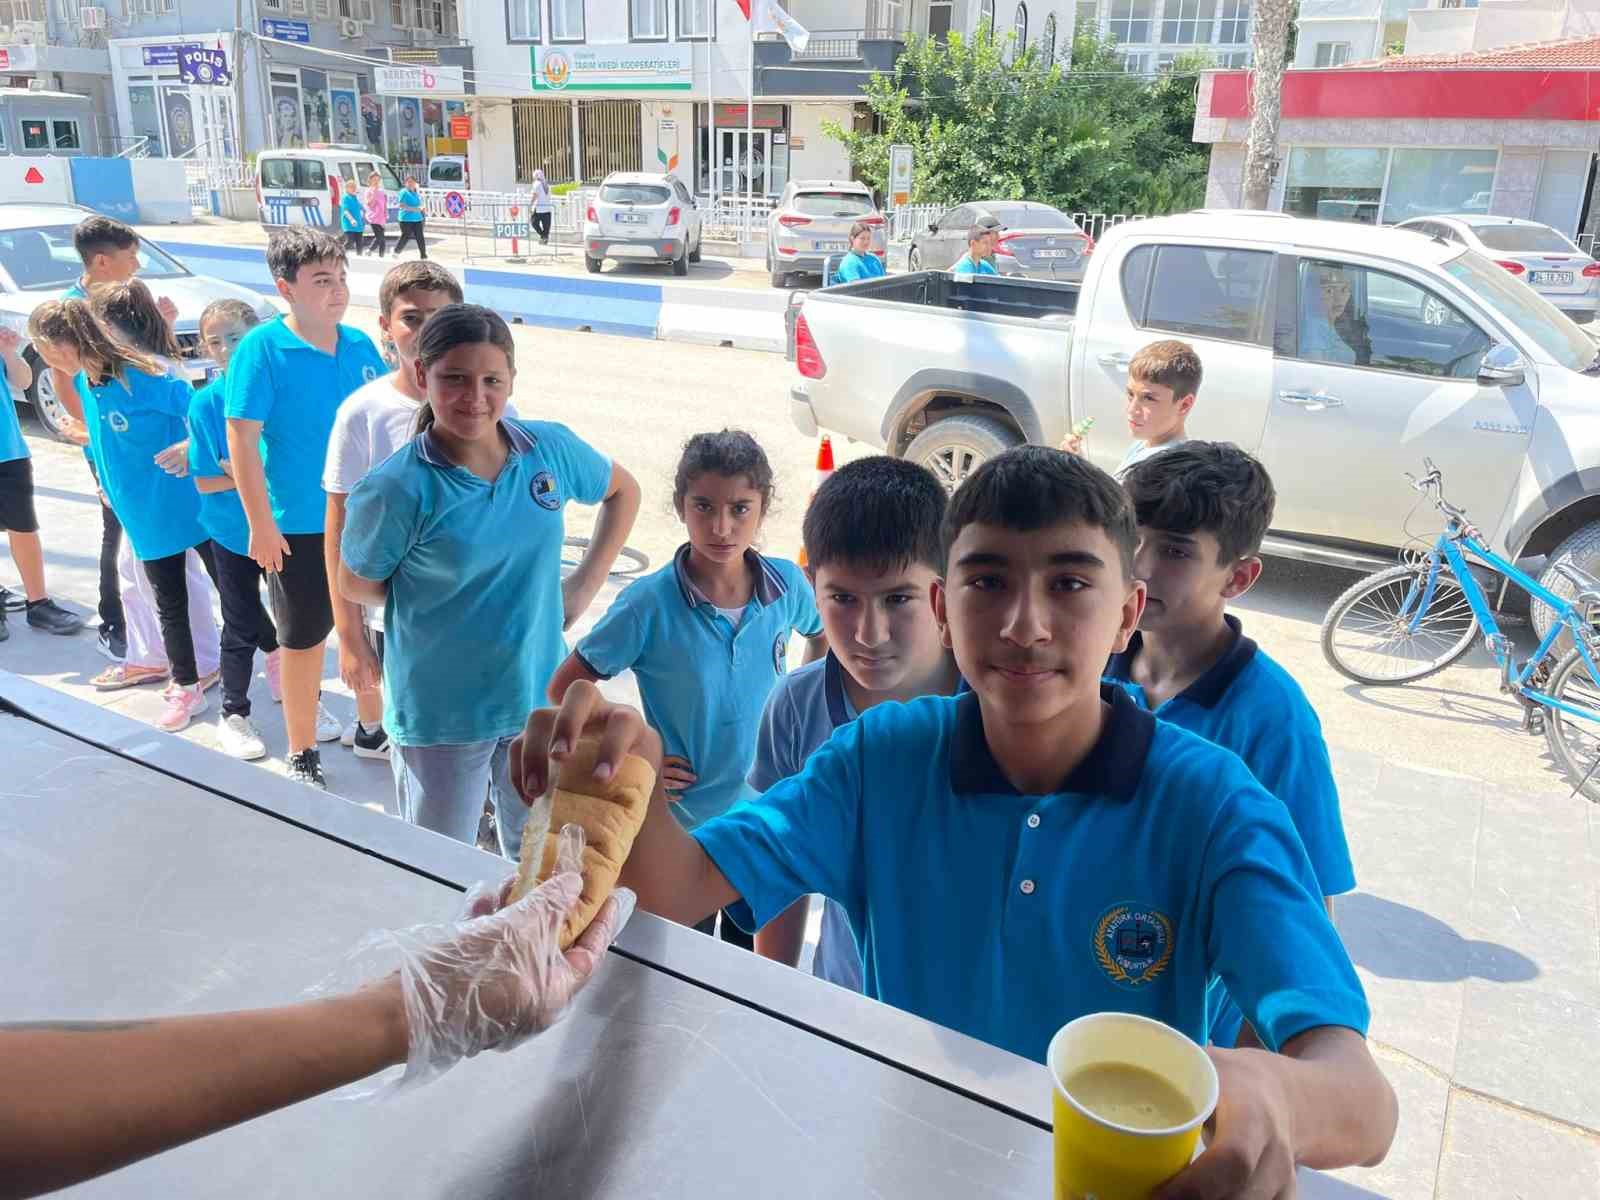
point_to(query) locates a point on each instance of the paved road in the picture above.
(1477, 929)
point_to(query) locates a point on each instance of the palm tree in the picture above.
(1269, 53)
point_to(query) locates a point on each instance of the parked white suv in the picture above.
(813, 220)
(645, 218)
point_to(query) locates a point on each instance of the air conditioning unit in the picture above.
(297, 8)
(92, 16)
(349, 28)
(29, 33)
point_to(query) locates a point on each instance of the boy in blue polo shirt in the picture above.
(285, 384)
(1041, 847)
(1202, 509)
(873, 555)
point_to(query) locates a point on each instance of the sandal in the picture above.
(121, 675)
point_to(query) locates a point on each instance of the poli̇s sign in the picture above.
(196, 64)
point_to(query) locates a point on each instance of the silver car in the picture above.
(642, 218)
(812, 221)
(1038, 241)
(38, 262)
(1543, 258)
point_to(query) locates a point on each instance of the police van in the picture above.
(305, 186)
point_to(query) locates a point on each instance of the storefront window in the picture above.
(1338, 183)
(314, 99)
(179, 110)
(287, 129)
(1425, 182)
(146, 119)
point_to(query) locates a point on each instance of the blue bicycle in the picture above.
(1413, 620)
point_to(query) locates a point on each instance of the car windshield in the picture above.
(445, 172)
(1036, 217)
(1524, 239)
(634, 193)
(44, 259)
(832, 204)
(1530, 312)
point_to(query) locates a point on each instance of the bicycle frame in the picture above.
(1453, 547)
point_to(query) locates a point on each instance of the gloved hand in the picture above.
(498, 977)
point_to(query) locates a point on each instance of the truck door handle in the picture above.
(1311, 401)
(1116, 359)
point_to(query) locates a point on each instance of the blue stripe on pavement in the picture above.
(628, 309)
(246, 267)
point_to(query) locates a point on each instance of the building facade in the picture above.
(1152, 34)
(579, 88)
(1333, 33)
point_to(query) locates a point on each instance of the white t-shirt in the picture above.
(1137, 453)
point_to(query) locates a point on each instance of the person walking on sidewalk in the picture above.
(376, 205)
(544, 207)
(352, 217)
(412, 216)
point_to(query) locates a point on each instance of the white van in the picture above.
(448, 171)
(304, 187)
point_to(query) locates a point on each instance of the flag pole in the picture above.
(713, 155)
(750, 133)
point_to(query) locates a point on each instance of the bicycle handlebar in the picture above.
(1432, 485)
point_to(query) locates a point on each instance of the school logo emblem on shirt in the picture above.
(544, 491)
(780, 652)
(369, 372)
(117, 421)
(1132, 944)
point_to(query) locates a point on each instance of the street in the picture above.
(1476, 929)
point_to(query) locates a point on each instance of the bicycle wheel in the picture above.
(1365, 637)
(1575, 741)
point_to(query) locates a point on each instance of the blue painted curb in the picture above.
(248, 268)
(628, 309)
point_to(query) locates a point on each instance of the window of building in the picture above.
(1047, 40)
(566, 20)
(1339, 183)
(647, 20)
(522, 20)
(266, 5)
(1332, 54)
(696, 19)
(1233, 23)
(12, 11)
(1129, 21)
(1019, 32)
(1136, 64)
(1424, 182)
(1088, 18)
(35, 136)
(986, 15)
(65, 135)
(1186, 22)
(940, 18)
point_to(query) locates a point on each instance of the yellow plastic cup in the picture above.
(1097, 1159)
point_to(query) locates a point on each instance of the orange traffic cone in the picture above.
(824, 469)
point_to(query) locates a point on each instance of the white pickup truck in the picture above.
(1439, 352)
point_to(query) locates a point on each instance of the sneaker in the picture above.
(371, 744)
(328, 727)
(4, 632)
(275, 675)
(49, 617)
(112, 644)
(183, 705)
(237, 737)
(11, 602)
(306, 768)
(115, 678)
(347, 739)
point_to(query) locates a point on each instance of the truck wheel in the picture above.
(1581, 548)
(914, 260)
(780, 279)
(955, 447)
(42, 395)
(593, 264)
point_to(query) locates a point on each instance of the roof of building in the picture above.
(22, 93)
(1570, 54)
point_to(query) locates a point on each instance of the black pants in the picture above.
(731, 933)
(380, 240)
(352, 241)
(541, 225)
(167, 580)
(411, 231)
(111, 615)
(246, 627)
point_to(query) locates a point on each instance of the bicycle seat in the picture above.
(1588, 586)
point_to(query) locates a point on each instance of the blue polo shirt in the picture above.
(703, 682)
(12, 444)
(965, 266)
(221, 513)
(410, 197)
(130, 421)
(474, 615)
(352, 217)
(858, 266)
(75, 292)
(295, 390)
(1158, 864)
(1245, 702)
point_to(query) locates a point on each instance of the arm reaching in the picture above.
(267, 544)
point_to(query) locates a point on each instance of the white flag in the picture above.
(768, 16)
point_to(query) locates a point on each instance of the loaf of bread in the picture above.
(610, 815)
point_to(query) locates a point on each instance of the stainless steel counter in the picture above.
(141, 875)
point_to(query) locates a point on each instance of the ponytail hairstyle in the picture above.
(72, 323)
(129, 311)
(460, 325)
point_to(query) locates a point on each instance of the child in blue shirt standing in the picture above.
(1041, 847)
(1202, 509)
(352, 217)
(246, 627)
(458, 537)
(708, 635)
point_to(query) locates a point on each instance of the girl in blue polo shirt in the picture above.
(135, 413)
(707, 636)
(458, 536)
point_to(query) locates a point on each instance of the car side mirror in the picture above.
(1502, 366)
(932, 228)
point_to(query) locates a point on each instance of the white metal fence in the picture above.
(909, 220)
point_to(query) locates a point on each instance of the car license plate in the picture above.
(1551, 277)
(630, 218)
(826, 246)
(1055, 254)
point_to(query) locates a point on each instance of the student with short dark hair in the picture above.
(1041, 847)
(285, 384)
(109, 251)
(1202, 509)
(982, 238)
(874, 555)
